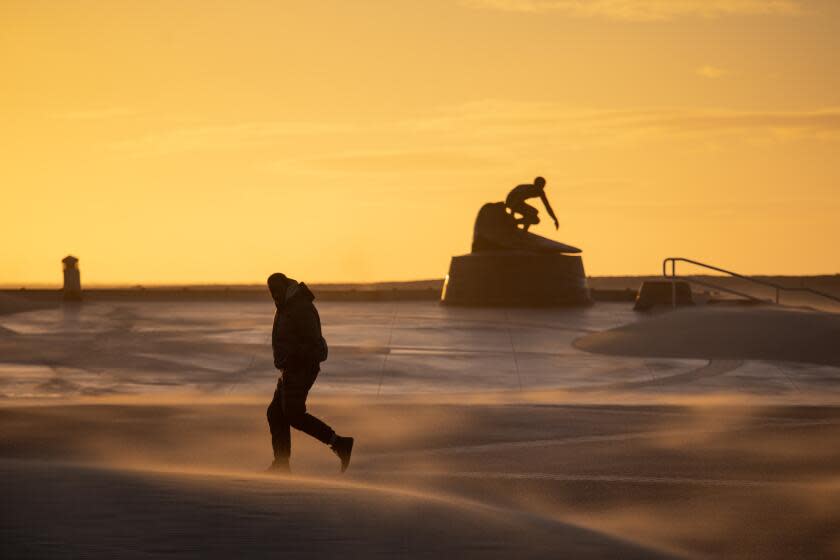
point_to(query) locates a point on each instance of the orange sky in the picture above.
(180, 141)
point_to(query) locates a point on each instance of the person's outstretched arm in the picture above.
(549, 210)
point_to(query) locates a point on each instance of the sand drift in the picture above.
(133, 430)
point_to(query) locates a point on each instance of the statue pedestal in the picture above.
(516, 278)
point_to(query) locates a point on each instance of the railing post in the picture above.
(674, 284)
(778, 287)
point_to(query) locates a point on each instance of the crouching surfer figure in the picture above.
(516, 198)
(299, 350)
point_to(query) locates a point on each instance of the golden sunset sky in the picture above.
(174, 141)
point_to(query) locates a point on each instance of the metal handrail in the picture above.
(778, 287)
(704, 283)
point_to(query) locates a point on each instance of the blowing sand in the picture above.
(132, 431)
(779, 334)
(83, 511)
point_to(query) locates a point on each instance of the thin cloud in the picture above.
(212, 137)
(478, 134)
(643, 10)
(415, 160)
(804, 121)
(711, 72)
(500, 116)
(96, 114)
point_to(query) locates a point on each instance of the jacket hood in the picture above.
(297, 292)
(302, 292)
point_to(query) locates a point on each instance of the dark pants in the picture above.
(288, 409)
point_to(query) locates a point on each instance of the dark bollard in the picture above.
(72, 279)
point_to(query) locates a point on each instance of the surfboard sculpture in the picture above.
(495, 230)
(510, 266)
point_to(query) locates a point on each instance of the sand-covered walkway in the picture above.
(135, 430)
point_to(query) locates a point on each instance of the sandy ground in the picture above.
(138, 430)
(727, 333)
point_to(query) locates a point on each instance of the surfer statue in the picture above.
(515, 202)
(509, 265)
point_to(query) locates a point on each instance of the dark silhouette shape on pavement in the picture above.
(299, 348)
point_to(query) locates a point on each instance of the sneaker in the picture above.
(343, 447)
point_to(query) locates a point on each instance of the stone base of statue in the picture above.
(512, 267)
(516, 279)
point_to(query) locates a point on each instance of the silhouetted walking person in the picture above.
(516, 202)
(299, 348)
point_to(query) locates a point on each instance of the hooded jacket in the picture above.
(296, 336)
